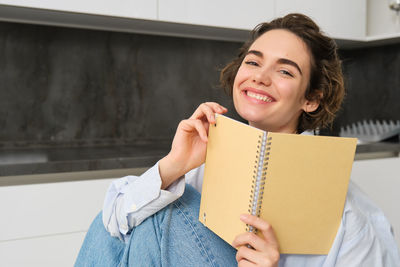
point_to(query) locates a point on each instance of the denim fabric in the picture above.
(171, 237)
(99, 247)
(175, 237)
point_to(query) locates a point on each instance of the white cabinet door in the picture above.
(47, 221)
(45, 251)
(223, 13)
(140, 9)
(380, 180)
(39, 210)
(341, 19)
(382, 21)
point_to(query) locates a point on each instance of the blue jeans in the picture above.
(171, 237)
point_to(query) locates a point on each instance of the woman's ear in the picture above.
(310, 106)
(313, 104)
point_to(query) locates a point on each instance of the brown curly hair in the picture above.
(326, 83)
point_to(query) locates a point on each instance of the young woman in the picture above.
(287, 78)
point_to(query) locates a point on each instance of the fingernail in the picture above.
(243, 216)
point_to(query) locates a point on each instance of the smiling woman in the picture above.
(319, 58)
(279, 71)
(287, 78)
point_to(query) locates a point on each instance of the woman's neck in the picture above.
(287, 129)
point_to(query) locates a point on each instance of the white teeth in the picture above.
(259, 97)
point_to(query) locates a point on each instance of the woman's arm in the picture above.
(132, 199)
(188, 150)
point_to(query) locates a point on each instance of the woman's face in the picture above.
(270, 85)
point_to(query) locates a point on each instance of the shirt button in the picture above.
(133, 207)
(124, 227)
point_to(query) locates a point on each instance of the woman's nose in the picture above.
(262, 76)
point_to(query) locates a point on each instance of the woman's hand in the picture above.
(188, 149)
(264, 251)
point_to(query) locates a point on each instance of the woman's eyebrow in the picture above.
(289, 62)
(280, 61)
(256, 53)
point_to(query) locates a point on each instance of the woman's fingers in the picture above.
(251, 239)
(197, 125)
(253, 249)
(266, 257)
(263, 226)
(245, 253)
(245, 263)
(208, 110)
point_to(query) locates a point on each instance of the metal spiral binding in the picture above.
(259, 176)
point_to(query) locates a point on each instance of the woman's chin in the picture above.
(252, 118)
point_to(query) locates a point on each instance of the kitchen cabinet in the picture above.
(352, 23)
(382, 21)
(223, 13)
(341, 19)
(140, 9)
(224, 19)
(135, 16)
(45, 224)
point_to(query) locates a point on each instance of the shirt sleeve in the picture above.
(131, 199)
(367, 237)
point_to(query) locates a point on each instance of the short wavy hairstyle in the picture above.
(326, 80)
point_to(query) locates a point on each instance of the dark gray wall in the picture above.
(372, 77)
(69, 86)
(63, 86)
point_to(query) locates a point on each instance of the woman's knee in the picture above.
(99, 246)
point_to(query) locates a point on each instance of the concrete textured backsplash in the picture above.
(62, 86)
(72, 86)
(372, 78)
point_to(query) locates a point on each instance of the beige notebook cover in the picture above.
(306, 179)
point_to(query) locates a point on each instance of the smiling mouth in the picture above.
(259, 96)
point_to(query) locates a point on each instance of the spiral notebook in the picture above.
(298, 183)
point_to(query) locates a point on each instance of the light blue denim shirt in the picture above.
(364, 238)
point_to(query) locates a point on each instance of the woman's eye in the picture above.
(285, 72)
(250, 62)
